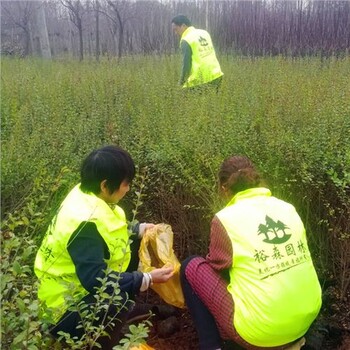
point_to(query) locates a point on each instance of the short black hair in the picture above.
(180, 20)
(110, 163)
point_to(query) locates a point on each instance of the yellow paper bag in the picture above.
(156, 250)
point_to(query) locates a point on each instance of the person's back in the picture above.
(205, 66)
(200, 64)
(257, 286)
(53, 264)
(272, 279)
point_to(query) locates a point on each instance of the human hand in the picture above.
(162, 275)
(143, 227)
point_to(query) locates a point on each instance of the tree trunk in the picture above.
(41, 34)
(97, 17)
(81, 45)
(28, 49)
(120, 43)
(121, 28)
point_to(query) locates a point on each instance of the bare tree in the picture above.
(97, 21)
(118, 22)
(20, 13)
(266, 27)
(76, 11)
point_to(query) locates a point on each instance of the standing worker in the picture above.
(200, 67)
(258, 285)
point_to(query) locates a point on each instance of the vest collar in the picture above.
(92, 198)
(251, 192)
(108, 209)
(188, 30)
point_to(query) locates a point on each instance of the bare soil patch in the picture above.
(332, 329)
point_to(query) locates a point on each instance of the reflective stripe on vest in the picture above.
(205, 66)
(53, 265)
(272, 280)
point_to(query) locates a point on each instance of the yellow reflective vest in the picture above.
(273, 282)
(205, 66)
(53, 265)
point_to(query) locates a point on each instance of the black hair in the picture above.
(180, 20)
(110, 163)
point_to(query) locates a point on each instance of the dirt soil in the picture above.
(333, 327)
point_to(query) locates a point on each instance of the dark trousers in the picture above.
(213, 85)
(196, 272)
(208, 333)
(71, 319)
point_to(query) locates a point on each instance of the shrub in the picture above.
(290, 116)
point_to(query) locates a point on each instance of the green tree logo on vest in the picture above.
(203, 41)
(274, 231)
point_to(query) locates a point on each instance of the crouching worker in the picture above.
(86, 243)
(257, 286)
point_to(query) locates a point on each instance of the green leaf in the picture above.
(19, 338)
(17, 268)
(21, 305)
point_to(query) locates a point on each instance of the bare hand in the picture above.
(148, 226)
(162, 275)
(144, 227)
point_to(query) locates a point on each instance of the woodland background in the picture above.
(94, 28)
